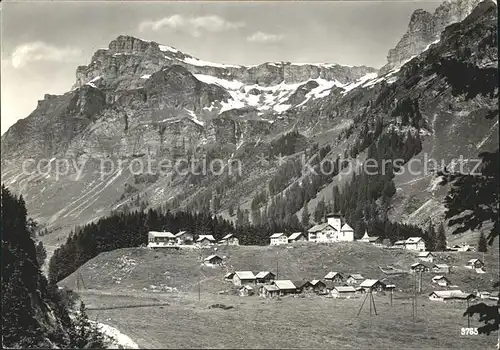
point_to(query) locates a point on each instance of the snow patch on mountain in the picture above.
(201, 63)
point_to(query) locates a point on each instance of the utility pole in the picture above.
(277, 268)
(468, 315)
(390, 295)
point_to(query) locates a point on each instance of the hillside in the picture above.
(139, 102)
(135, 269)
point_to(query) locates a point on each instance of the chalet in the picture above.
(160, 239)
(441, 281)
(303, 286)
(322, 233)
(440, 268)
(450, 295)
(426, 256)
(229, 239)
(297, 237)
(475, 264)
(278, 239)
(335, 277)
(205, 240)
(213, 260)
(343, 292)
(415, 243)
(419, 267)
(246, 290)
(184, 237)
(268, 291)
(372, 285)
(285, 287)
(229, 276)
(265, 277)
(241, 278)
(346, 234)
(355, 278)
(318, 286)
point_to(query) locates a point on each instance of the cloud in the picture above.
(191, 25)
(41, 51)
(261, 37)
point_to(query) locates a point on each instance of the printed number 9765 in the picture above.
(468, 331)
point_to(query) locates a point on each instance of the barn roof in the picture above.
(437, 278)
(295, 235)
(413, 240)
(331, 275)
(320, 227)
(345, 289)
(370, 283)
(356, 276)
(425, 254)
(373, 239)
(316, 282)
(452, 294)
(472, 261)
(245, 275)
(180, 233)
(263, 274)
(277, 235)
(301, 283)
(441, 266)
(208, 258)
(161, 234)
(284, 284)
(417, 264)
(202, 237)
(271, 288)
(246, 286)
(229, 275)
(230, 235)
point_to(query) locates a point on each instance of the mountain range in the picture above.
(138, 100)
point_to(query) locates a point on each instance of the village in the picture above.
(266, 284)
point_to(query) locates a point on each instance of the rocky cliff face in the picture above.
(424, 29)
(139, 100)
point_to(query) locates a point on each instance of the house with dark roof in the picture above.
(322, 233)
(303, 286)
(426, 256)
(297, 237)
(205, 240)
(450, 295)
(213, 260)
(373, 285)
(440, 268)
(268, 291)
(318, 286)
(355, 278)
(475, 264)
(419, 267)
(229, 239)
(441, 281)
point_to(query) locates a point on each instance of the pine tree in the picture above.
(41, 254)
(482, 245)
(441, 239)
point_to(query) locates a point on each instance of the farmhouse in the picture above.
(303, 286)
(246, 290)
(355, 278)
(241, 278)
(450, 295)
(318, 286)
(278, 239)
(297, 237)
(415, 243)
(441, 268)
(419, 267)
(343, 292)
(475, 264)
(322, 233)
(205, 240)
(160, 239)
(441, 281)
(335, 277)
(184, 237)
(229, 276)
(265, 277)
(268, 291)
(373, 285)
(229, 239)
(285, 287)
(426, 256)
(213, 260)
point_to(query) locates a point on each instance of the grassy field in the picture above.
(139, 268)
(181, 321)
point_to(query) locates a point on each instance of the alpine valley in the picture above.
(437, 97)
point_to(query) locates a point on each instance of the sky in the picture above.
(44, 41)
